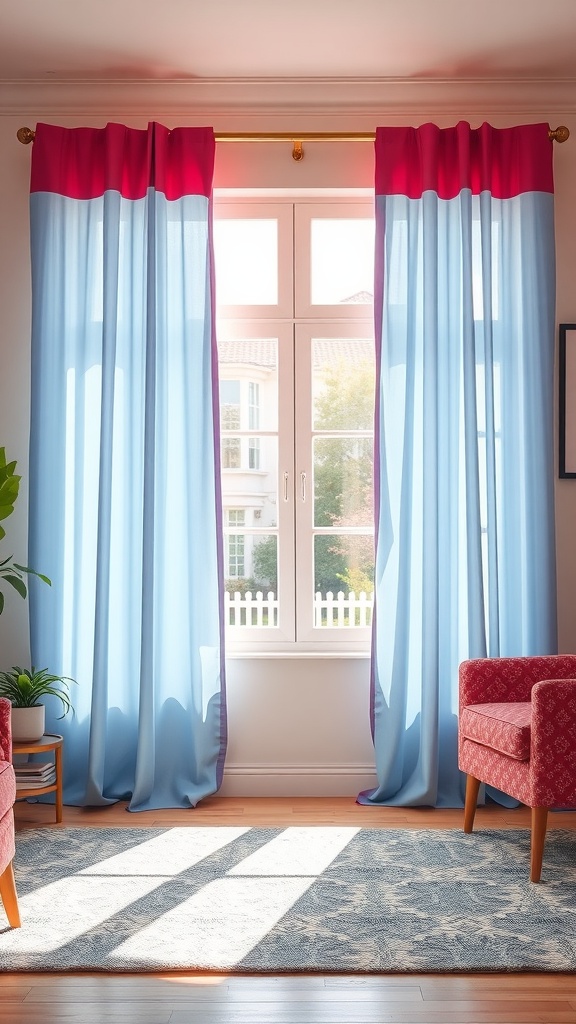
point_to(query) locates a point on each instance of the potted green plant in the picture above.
(12, 572)
(24, 688)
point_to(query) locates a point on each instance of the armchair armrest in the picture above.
(553, 743)
(5, 729)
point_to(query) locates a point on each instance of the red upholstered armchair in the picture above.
(7, 797)
(517, 732)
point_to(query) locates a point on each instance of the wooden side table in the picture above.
(49, 742)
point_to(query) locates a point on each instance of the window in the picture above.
(235, 544)
(296, 355)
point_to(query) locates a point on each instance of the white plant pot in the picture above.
(28, 723)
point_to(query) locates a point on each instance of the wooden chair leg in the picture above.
(472, 787)
(9, 896)
(539, 822)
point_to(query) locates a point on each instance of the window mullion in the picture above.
(303, 484)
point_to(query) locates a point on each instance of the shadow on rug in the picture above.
(322, 899)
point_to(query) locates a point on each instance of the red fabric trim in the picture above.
(503, 161)
(83, 163)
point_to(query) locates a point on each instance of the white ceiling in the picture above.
(286, 39)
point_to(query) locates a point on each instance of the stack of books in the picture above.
(34, 776)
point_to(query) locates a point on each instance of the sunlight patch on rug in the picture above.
(229, 917)
(316, 898)
(221, 924)
(161, 855)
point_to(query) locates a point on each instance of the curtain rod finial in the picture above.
(559, 134)
(25, 135)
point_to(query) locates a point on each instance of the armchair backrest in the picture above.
(5, 730)
(503, 680)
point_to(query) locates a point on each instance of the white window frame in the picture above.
(294, 321)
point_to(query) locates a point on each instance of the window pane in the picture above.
(254, 453)
(255, 362)
(342, 261)
(230, 404)
(235, 560)
(250, 477)
(254, 405)
(256, 555)
(231, 452)
(253, 599)
(343, 481)
(265, 562)
(248, 406)
(343, 380)
(246, 262)
(343, 566)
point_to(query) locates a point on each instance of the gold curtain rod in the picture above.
(560, 134)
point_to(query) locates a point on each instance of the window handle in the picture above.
(303, 486)
(285, 486)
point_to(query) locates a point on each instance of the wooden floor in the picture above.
(286, 999)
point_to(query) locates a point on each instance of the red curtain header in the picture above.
(83, 163)
(503, 161)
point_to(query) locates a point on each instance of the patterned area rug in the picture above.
(295, 899)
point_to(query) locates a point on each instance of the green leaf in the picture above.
(24, 682)
(25, 687)
(9, 490)
(17, 583)
(8, 493)
(9, 485)
(24, 568)
(10, 568)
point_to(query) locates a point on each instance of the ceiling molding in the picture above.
(234, 99)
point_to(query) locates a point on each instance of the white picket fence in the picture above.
(339, 610)
(343, 610)
(251, 609)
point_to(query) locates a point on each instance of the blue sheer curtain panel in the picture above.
(465, 559)
(125, 478)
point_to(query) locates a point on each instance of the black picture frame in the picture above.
(567, 401)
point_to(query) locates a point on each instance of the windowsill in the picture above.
(293, 652)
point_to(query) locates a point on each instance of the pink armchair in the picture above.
(517, 732)
(7, 797)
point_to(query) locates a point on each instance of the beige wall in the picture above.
(275, 746)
